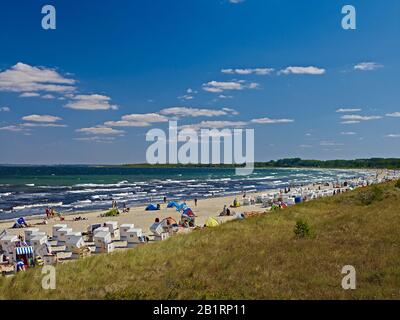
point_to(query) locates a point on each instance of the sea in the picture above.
(28, 190)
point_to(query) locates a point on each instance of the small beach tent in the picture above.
(188, 212)
(152, 207)
(211, 222)
(20, 223)
(172, 204)
(181, 206)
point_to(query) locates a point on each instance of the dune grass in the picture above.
(258, 258)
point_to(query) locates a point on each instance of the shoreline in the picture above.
(33, 217)
(207, 207)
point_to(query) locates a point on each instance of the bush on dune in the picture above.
(370, 195)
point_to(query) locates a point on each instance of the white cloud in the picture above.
(195, 112)
(231, 111)
(356, 117)
(221, 86)
(48, 96)
(5, 109)
(12, 128)
(367, 66)
(393, 115)
(123, 123)
(303, 70)
(330, 143)
(29, 94)
(222, 96)
(41, 118)
(96, 139)
(45, 125)
(145, 117)
(236, 1)
(392, 135)
(186, 97)
(344, 110)
(257, 71)
(350, 122)
(90, 102)
(25, 78)
(271, 121)
(100, 130)
(215, 125)
(348, 133)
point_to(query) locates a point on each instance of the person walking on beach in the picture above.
(165, 199)
(195, 202)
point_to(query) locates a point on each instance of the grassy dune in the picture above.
(259, 258)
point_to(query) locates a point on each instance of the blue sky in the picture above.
(89, 91)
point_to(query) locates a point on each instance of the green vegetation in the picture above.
(302, 229)
(373, 163)
(257, 258)
(111, 213)
(397, 185)
(370, 195)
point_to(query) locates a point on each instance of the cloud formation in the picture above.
(41, 118)
(367, 66)
(90, 102)
(271, 121)
(311, 70)
(25, 78)
(221, 86)
(100, 130)
(345, 110)
(256, 71)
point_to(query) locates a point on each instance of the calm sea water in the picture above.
(29, 190)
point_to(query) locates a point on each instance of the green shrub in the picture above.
(370, 195)
(111, 213)
(397, 185)
(302, 229)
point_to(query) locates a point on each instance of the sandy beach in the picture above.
(210, 207)
(138, 216)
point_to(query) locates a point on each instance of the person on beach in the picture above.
(47, 213)
(195, 202)
(20, 266)
(165, 199)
